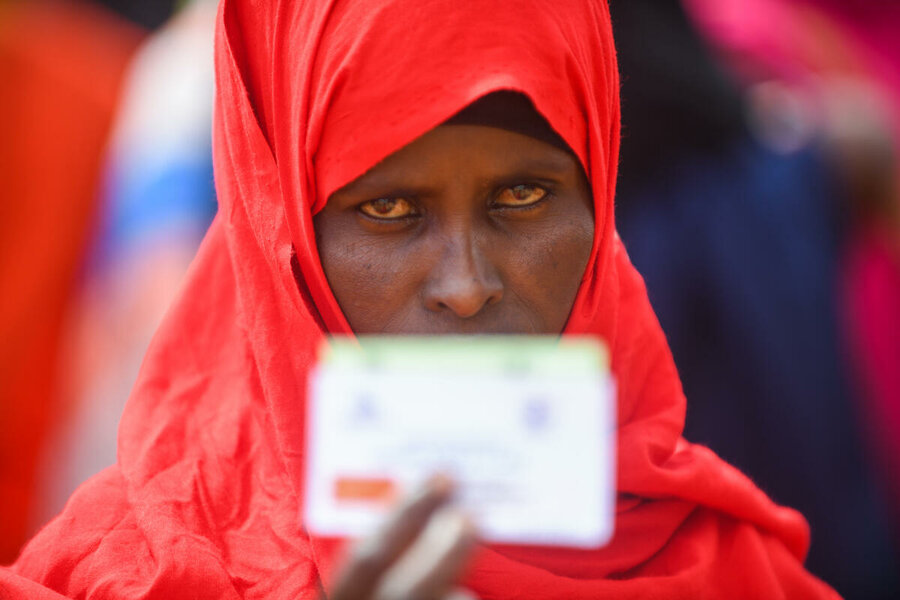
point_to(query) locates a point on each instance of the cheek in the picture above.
(549, 268)
(372, 277)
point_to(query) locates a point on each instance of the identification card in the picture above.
(524, 425)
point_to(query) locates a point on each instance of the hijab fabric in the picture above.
(205, 498)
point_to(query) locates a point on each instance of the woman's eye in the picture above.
(388, 208)
(521, 195)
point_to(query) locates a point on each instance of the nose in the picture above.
(464, 280)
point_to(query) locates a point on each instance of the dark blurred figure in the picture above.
(862, 134)
(61, 67)
(871, 290)
(738, 242)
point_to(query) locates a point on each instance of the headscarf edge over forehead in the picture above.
(208, 486)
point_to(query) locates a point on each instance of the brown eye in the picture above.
(521, 195)
(387, 208)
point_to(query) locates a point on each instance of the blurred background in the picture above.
(105, 156)
(759, 195)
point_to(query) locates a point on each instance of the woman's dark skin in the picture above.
(470, 229)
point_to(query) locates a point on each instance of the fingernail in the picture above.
(470, 529)
(440, 485)
(448, 526)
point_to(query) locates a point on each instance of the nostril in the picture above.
(462, 282)
(465, 299)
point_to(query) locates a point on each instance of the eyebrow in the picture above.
(553, 167)
(374, 182)
(547, 164)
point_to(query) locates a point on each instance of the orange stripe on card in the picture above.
(378, 490)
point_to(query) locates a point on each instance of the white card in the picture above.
(525, 426)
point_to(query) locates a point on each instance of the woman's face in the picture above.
(469, 229)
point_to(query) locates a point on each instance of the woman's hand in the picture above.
(418, 555)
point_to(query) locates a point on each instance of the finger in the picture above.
(372, 557)
(432, 565)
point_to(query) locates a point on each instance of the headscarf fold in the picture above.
(206, 496)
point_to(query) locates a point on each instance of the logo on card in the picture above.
(363, 411)
(536, 414)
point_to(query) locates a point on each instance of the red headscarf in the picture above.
(206, 494)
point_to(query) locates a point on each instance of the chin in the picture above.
(443, 325)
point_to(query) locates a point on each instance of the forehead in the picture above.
(451, 153)
(512, 111)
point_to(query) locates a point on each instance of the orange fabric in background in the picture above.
(205, 499)
(61, 64)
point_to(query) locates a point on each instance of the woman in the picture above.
(322, 108)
